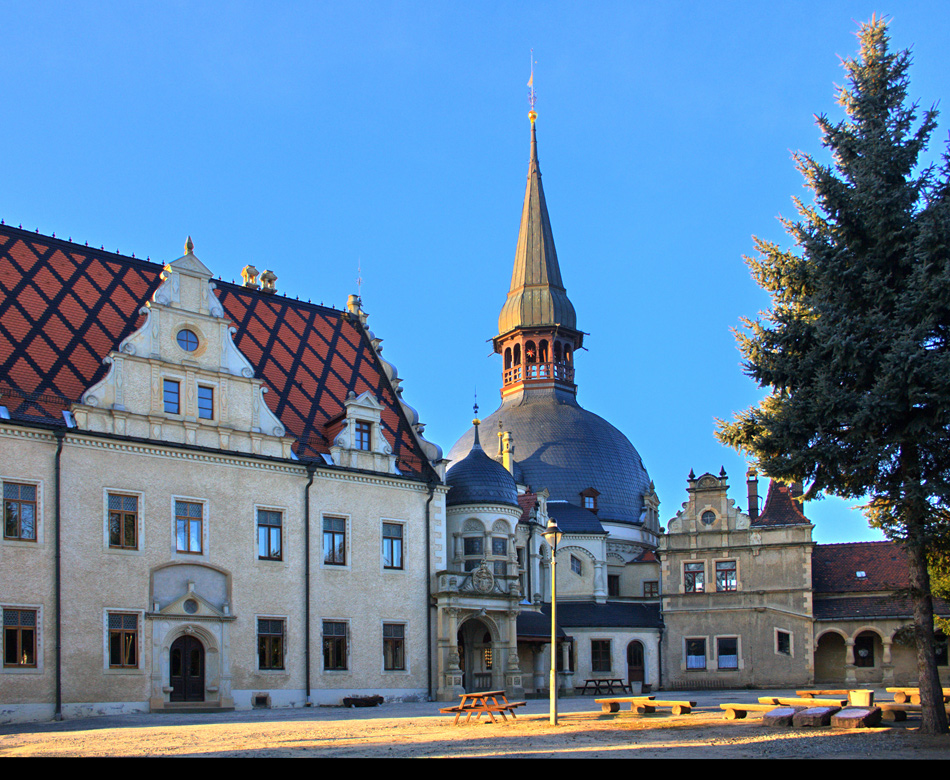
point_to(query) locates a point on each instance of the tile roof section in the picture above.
(834, 567)
(780, 508)
(613, 614)
(527, 502)
(866, 607)
(573, 519)
(64, 307)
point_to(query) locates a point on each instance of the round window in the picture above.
(187, 340)
(191, 606)
(709, 518)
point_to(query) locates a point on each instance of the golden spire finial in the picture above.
(189, 246)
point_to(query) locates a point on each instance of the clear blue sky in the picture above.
(310, 137)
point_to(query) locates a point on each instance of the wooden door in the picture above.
(187, 669)
(635, 662)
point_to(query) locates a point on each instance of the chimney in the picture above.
(752, 482)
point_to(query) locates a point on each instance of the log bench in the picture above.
(912, 695)
(802, 702)
(645, 705)
(739, 711)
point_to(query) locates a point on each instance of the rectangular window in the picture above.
(695, 653)
(392, 546)
(473, 547)
(123, 521)
(394, 647)
(613, 585)
(270, 643)
(334, 541)
(361, 434)
(123, 641)
(188, 522)
(499, 549)
(694, 577)
(334, 645)
(205, 402)
(269, 532)
(19, 511)
(19, 637)
(651, 589)
(783, 642)
(600, 655)
(725, 576)
(576, 566)
(172, 396)
(727, 652)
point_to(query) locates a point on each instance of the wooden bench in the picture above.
(820, 694)
(912, 695)
(739, 711)
(802, 701)
(645, 704)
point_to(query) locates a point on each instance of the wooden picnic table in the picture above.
(483, 702)
(599, 685)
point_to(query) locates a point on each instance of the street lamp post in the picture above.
(552, 535)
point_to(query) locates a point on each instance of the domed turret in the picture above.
(477, 479)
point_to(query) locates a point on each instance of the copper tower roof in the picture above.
(537, 296)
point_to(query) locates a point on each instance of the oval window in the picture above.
(187, 340)
(709, 518)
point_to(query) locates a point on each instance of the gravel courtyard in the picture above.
(416, 730)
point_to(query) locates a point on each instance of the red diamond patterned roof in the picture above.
(64, 307)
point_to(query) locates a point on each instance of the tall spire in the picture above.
(537, 327)
(537, 297)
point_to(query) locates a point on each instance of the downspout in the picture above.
(58, 711)
(311, 470)
(428, 594)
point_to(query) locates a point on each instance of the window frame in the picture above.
(651, 589)
(735, 575)
(577, 566)
(202, 403)
(779, 632)
(271, 643)
(601, 653)
(203, 532)
(340, 641)
(344, 535)
(122, 633)
(690, 583)
(686, 653)
(720, 655)
(362, 435)
(18, 629)
(36, 504)
(395, 647)
(167, 383)
(613, 586)
(108, 494)
(393, 546)
(270, 530)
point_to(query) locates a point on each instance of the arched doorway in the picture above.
(477, 656)
(186, 665)
(635, 665)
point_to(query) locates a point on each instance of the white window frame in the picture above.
(791, 642)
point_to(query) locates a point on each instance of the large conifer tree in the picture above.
(855, 350)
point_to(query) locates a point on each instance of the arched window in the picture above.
(517, 354)
(507, 357)
(543, 351)
(567, 354)
(530, 353)
(557, 351)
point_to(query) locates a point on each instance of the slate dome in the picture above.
(563, 447)
(477, 479)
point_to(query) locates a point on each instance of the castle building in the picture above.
(202, 483)
(574, 466)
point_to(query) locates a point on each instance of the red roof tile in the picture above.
(835, 567)
(63, 308)
(780, 508)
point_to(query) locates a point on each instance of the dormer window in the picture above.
(860, 575)
(589, 499)
(187, 340)
(362, 435)
(171, 392)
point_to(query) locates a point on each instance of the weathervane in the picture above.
(532, 98)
